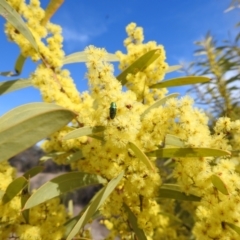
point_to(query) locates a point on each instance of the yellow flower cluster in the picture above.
(33, 15)
(112, 155)
(45, 221)
(109, 152)
(139, 83)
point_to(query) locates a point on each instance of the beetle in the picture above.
(113, 110)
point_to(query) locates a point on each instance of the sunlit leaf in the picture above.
(180, 82)
(96, 203)
(219, 184)
(173, 192)
(52, 7)
(84, 131)
(133, 222)
(52, 156)
(139, 65)
(19, 64)
(15, 187)
(173, 68)
(33, 172)
(173, 141)
(10, 86)
(140, 155)
(59, 185)
(82, 57)
(28, 124)
(187, 152)
(15, 19)
(158, 103)
(74, 157)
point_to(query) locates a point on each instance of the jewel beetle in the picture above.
(113, 110)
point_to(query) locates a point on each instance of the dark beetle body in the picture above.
(113, 110)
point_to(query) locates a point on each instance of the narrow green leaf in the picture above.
(28, 124)
(19, 64)
(187, 152)
(158, 103)
(172, 192)
(50, 10)
(51, 156)
(139, 65)
(69, 225)
(59, 185)
(84, 131)
(8, 74)
(74, 157)
(171, 186)
(219, 184)
(139, 154)
(15, 187)
(96, 203)
(15, 19)
(10, 86)
(100, 138)
(133, 221)
(18, 67)
(233, 227)
(33, 172)
(180, 82)
(173, 141)
(24, 198)
(82, 57)
(173, 68)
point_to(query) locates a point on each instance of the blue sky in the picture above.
(175, 24)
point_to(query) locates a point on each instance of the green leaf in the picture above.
(172, 192)
(158, 103)
(187, 152)
(19, 64)
(173, 68)
(15, 187)
(84, 131)
(28, 124)
(51, 156)
(133, 221)
(33, 172)
(53, 6)
(219, 184)
(233, 227)
(174, 141)
(18, 67)
(82, 57)
(59, 185)
(100, 138)
(180, 82)
(139, 65)
(9, 86)
(96, 203)
(24, 198)
(140, 155)
(74, 157)
(15, 19)
(69, 225)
